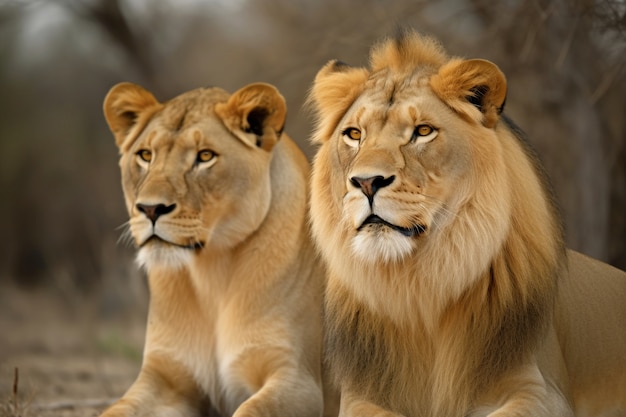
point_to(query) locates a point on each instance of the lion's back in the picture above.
(591, 326)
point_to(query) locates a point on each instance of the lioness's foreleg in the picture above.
(162, 389)
(280, 385)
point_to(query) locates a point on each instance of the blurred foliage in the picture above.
(61, 199)
(117, 344)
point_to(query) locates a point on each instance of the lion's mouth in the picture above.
(406, 231)
(157, 239)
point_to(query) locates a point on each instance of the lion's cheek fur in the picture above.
(130, 177)
(326, 202)
(239, 214)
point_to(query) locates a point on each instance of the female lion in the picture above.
(216, 195)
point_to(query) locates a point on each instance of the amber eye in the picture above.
(205, 156)
(145, 155)
(423, 130)
(352, 133)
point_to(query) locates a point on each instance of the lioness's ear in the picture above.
(477, 82)
(125, 106)
(335, 88)
(255, 114)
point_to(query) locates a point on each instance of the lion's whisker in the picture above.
(125, 238)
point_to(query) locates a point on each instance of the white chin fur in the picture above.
(381, 246)
(170, 257)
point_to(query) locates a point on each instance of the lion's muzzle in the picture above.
(413, 231)
(370, 185)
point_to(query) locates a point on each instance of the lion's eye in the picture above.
(423, 130)
(351, 136)
(145, 155)
(352, 133)
(423, 134)
(204, 156)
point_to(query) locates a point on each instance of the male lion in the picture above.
(217, 199)
(450, 292)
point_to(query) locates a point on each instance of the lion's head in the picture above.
(419, 181)
(195, 169)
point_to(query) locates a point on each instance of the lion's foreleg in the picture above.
(353, 406)
(525, 393)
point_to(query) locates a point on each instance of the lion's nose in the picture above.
(370, 185)
(154, 211)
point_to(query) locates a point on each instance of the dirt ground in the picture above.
(70, 361)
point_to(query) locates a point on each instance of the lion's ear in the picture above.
(255, 114)
(125, 106)
(467, 85)
(335, 88)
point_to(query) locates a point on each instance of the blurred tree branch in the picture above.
(109, 17)
(610, 15)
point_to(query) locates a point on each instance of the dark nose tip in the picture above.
(154, 211)
(370, 185)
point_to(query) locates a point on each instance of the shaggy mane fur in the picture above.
(407, 51)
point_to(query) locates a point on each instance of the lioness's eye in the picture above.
(145, 155)
(423, 130)
(205, 156)
(352, 133)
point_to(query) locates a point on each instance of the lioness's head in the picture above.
(195, 169)
(408, 147)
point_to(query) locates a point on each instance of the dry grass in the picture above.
(22, 404)
(16, 405)
(71, 362)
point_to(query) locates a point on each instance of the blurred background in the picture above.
(61, 203)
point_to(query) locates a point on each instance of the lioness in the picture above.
(450, 292)
(217, 199)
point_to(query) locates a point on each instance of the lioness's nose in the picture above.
(154, 211)
(371, 185)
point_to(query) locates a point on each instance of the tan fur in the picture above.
(234, 322)
(459, 299)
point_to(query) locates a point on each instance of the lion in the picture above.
(450, 291)
(217, 199)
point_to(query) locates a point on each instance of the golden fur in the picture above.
(217, 200)
(444, 251)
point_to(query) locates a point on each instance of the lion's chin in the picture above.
(157, 253)
(381, 244)
(158, 241)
